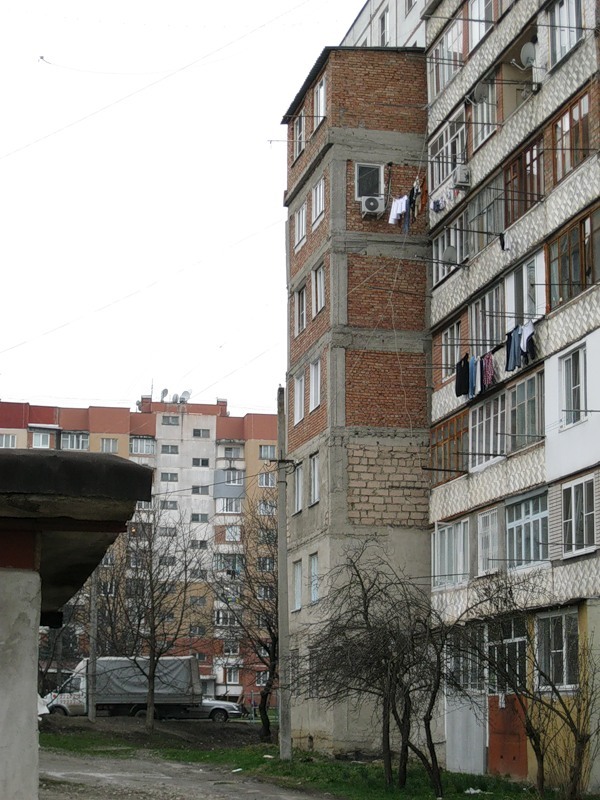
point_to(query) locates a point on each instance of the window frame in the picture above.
(296, 585)
(450, 448)
(318, 202)
(300, 309)
(446, 58)
(487, 432)
(360, 165)
(524, 181)
(109, 444)
(299, 387)
(318, 289)
(314, 389)
(170, 420)
(450, 553)
(267, 480)
(487, 542)
(573, 396)
(571, 136)
(455, 234)
(314, 468)
(313, 577)
(229, 505)
(569, 650)
(479, 24)
(448, 149)
(572, 31)
(384, 28)
(298, 487)
(450, 345)
(529, 545)
(8, 437)
(263, 449)
(300, 226)
(142, 446)
(319, 102)
(299, 134)
(487, 326)
(484, 117)
(81, 439)
(573, 263)
(587, 484)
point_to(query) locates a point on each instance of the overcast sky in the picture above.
(142, 171)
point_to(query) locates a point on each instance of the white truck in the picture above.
(122, 689)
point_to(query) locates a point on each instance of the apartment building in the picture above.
(514, 178)
(211, 471)
(357, 416)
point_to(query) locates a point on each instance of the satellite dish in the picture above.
(175, 398)
(185, 396)
(138, 404)
(528, 54)
(480, 93)
(449, 255)
(163, 394)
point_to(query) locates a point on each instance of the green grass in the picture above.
(310, 771)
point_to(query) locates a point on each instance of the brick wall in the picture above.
(314, 422)
(315, 326)
(315, 237)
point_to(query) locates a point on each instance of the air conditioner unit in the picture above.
(373, 206)
(461, 177)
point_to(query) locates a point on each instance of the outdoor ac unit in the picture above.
(461, 177)
(374, 206)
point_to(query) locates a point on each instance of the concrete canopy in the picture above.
(75, 503)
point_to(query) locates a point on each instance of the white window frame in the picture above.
(297, 585)
(40, 440)
(267, 508)
(525, 409)
(169, 477)
(573, 387)
(229, 505)
(453, 235)
(451, 349)
(487, 432)
(384, 28)
(232, 675)
(234, 477)
(267, 480)
(319, 103)
(170, 419)
(298, 487)
(556, 650)
(266, 452)
(371, 169)
(527, 531)
(232, 452)
(524, 291)
(485, 216)
(487, 324)
(300, 309)
(318, 202)
(313, 577)
(233, 533)
(450, 553)
(448, 149)
(266, 564)
(578, 515)
(446, 58)
(169, 449)
(8, 441)
(109, 445)
(487, 541)
(298, 398)
(142, 446)
(314, 479)
(300, 227)
(315, 385)
(299, 132)
(485, 114)
(231, 647)
(74, 440)
(566, 28)
(318, 289)
(262, 677)
(481, 20)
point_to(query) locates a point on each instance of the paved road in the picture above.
(65, 777)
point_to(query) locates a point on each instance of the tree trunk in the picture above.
(404, 737)
(263, 711)
(385, 742)
(574, 788)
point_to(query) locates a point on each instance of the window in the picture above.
(197, 630)
(233, 452)
(142, 445)
(485, 216)
(487, 541)
(298, 398)
(315, 490)
(168, 505)
(451, 553)
(261, 678)
(200, 462)
(300, 303)
(198, 574)
(369, 180)
(574, 259)
(266, 452)
(449, 449)
(521, 291)
(565, 28)
(523, 182)
(108, 559)
(200, 656)
(201, 433)
(573, 387)
(232, 563)
(319, 106)
(199, 518)
(167, 530)
(266, 592)
(296, 585)
(558, 646)
(488, 431)
(447, 150)
(313, 577)
(40, 439)
(527, 531)
(110, 445)
(300, 226)
(315, 385)
(233, 533)
(487, 324)
(446, 58)
(266, 564)
(318, 201)
(578, 514)
(169, 449)
(484, 113)
(200, 490)
(233, 675)
(198, 544)
(8, 440)
(454, 235)
(526, 409)
(451, 348)
(169, 477)
(267, 508)
(299, 134)
(464, 649)
(75, 441)
(480, 20)
(507, 653)
(170, 419)
(231, 647)
(571, 137)
(229, 505)
(267, 480)
(234, 477)
(225, 618)
(298, 487)
(318, 289)
(384, 33)
(166, 561)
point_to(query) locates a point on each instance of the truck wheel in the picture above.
(219, 715)
(58, 710)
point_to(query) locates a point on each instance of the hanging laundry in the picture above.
(461, 385)
(513, 349)
(438, 205)
(416, 206)
(528, 352)
(399, 207)
(487, 371)
(472, 377)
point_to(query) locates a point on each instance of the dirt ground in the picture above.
(66, 777)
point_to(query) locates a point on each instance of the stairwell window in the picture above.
(565, 28)
(299, 134)
(578, 514)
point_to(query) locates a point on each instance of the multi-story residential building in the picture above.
(514, 178)
(357, 429)
(211, 471)
(387, 23)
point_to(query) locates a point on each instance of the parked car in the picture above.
(219, 710)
